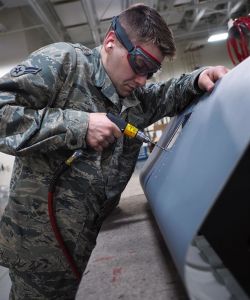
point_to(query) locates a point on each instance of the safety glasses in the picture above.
(142, 62)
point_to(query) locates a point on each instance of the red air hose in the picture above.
(237, 41)
(52, 216)
(59, 237)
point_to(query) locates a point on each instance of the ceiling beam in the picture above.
(94, 23)
(197, 34)
(232, 10)
(22, 29)
(45, 15)
(197, 19)
(191, 6)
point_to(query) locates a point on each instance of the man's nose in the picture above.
(140, 79)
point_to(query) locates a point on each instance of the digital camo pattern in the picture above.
(44, 118)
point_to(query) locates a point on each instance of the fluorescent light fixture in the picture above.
(218, 37)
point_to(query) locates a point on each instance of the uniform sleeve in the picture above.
(28, 120)
(171, 97)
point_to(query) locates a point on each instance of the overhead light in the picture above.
(218, 37)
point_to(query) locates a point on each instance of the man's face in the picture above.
(120, 71)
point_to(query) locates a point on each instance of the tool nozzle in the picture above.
(142, 137)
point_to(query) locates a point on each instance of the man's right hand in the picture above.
(101, 131)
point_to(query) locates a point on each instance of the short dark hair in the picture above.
(144, 24)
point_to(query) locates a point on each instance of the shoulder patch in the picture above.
(22, 69)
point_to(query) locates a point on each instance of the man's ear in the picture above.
(109, 41)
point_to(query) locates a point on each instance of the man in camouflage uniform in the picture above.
(54, 103)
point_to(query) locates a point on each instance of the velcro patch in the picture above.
(22, 69)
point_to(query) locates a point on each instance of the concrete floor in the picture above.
(131, 260)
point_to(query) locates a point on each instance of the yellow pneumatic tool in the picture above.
(130, 130)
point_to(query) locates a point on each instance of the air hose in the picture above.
(238, 39)
(52, 186)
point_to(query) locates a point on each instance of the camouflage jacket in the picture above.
(44, 112)
(44, 106)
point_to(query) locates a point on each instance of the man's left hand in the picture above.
(209, 76)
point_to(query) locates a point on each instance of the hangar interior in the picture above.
(131, 260)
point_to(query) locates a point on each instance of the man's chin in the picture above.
(123, 95)
(125, 92)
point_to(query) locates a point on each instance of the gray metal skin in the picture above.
(183, 184)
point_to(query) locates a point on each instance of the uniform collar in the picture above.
(102, 81)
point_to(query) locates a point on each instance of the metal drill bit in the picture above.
(159, 146)
(141, 136)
